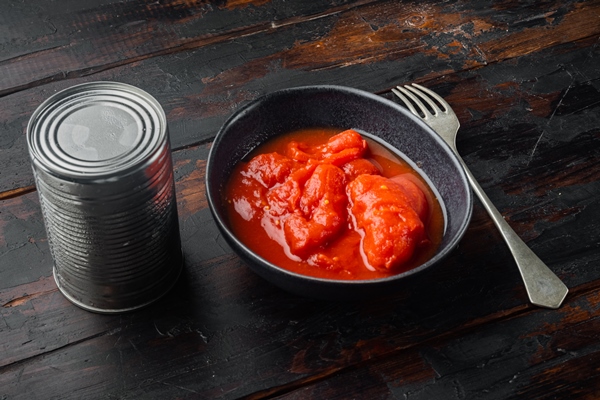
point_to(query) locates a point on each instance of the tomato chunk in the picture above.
(268, 169)
(383, 211)
(340, 149)
(358, 167)
(343, 148)
(416, 195)
(321, 213)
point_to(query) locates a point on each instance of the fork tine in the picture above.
(436, 109)
(406, 101)
(436, 96)
(416, 100)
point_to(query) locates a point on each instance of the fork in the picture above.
(543, 287)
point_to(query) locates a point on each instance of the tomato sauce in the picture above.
(333, 205)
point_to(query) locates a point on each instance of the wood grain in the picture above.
(524, 79)
(370, 46)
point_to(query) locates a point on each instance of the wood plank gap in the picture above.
(9, 194)
(199, 143)
(23, 299)
(27, 55)
(23, 361)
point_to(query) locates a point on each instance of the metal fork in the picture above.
(543, 287)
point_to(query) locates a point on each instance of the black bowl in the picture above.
(341, 107)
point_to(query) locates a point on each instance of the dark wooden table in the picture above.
(524, 79)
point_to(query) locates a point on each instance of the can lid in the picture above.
(96, 130)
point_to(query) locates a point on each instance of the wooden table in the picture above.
(524, 79)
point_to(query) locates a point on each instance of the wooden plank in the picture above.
(82, 38)
(42, 43)
(543, 355)
(220, 325)
(364, 48)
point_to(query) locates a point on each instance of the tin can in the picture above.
(102, 163)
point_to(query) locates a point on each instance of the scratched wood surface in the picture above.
(524, 79)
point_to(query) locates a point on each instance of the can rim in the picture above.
(44, 127)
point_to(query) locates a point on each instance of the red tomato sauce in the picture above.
(333, 205)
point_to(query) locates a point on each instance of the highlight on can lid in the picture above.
(102, 164)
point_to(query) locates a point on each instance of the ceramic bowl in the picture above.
(341, 107)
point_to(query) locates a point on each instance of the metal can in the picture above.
(102, 163)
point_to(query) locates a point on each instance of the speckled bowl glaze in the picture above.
(342, 107)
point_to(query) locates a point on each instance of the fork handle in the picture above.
(543, 287)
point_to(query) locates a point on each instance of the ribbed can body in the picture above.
(103, 170)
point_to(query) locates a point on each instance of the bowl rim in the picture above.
(229, 235)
